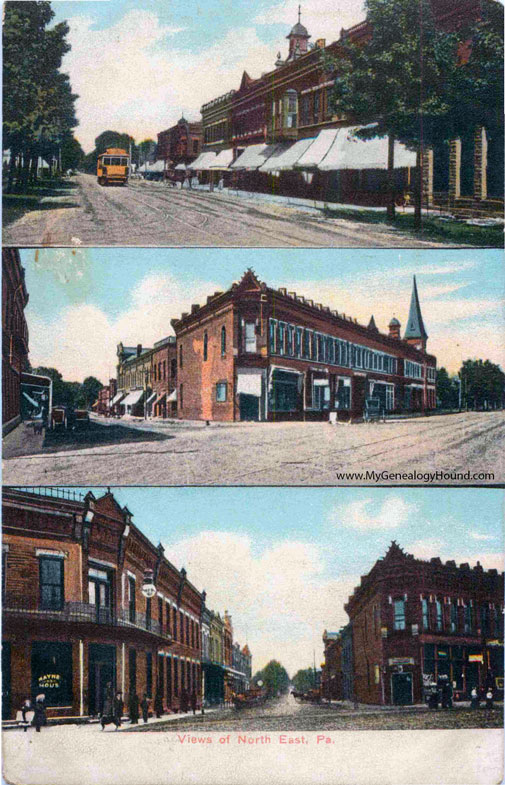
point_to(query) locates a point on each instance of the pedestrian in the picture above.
(108, 716)
(489, 698)
(446, 695)
(118, 708)
(433, 696)
(145, 707)
(39, 712)
(133, 708)
(474, 698)
(158, 704)
(184, 701)
(25, 708)
(193, 701)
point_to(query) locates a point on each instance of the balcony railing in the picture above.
(85, 612)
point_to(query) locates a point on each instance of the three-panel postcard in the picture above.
(253, 392)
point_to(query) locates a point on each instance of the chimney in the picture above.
(139, 349)
(282, 290)
(195, 307)
(293, 295)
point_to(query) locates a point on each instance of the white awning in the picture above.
(249, 382)
(350, 152)
(318, 149)
(252, 157)
(203, 161)
(288, 158)
(272, 162)
(117, 398)
(180, 168)
(223, 160)
(159, 398)
(133, 398)
(173, 395)
(151, 397)
(157, 166)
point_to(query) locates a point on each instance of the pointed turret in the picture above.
(298, 39)
(415, 334)
(372, 326)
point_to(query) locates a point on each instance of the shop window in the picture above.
(399, 614)
(284, 392)
(221, 392)
(344, 394)
(51, 672)
(321, 396)
(51, 583)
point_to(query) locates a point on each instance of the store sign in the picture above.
(401, 661)
(49, 681)
(475, 658)
(148, 588)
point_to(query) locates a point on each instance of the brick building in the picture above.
(256, 353)
(331, 674)
(163, 378)
(105, 396)
(288, 109)
(87, 600)
(133, 380)
(414, 621)
(180, 144)
(14, 337)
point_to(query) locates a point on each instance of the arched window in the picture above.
(223, 341)
(205, 345)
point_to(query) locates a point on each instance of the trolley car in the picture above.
(113, 166)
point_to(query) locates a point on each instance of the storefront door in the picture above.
(101, 671)
(401, 685)
(6, 680)
(249, 407)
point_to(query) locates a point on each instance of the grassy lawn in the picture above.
(432, 228)
(15, 205)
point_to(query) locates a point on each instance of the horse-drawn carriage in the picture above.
(310, 696)
(252, 697)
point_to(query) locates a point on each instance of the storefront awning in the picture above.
(172, 396)
(159, 399)
(249, 382)
(314, 154)
(151, 397)
(252, 157)
(30, 399)
(203, 161)
(223, 160)
(272, 162)
(180, 168)
(288, 158)
(350, 152)
(117, 398)
(133, 398)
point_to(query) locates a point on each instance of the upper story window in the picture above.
(399, 614)
(180, 356)
(51, 583)
(131, 599)
(454, 617)
(426, 614)
(250, 337)
(223, 341)
(205, 345)
(439, 616)
(289, 109)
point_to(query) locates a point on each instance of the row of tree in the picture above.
(480, 384)
(139, 153)
(275, 680)
(38, 103)
(79, 395)
(418, 84)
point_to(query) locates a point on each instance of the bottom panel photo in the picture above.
(211, 635)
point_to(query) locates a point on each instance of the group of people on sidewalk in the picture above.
(34, 714)
(113, 707)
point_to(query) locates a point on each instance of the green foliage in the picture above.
(274, 677)
(110, 139)
(71, 394)
(38, 103)
(304, 680)
(447, 390)
(482, 385)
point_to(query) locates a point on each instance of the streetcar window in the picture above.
(115, 161)
(105, 161)
(124, 161)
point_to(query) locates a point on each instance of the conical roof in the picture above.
(415, 325)
(298, 31)
(372, 325)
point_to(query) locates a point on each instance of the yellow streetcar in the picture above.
(113, 166)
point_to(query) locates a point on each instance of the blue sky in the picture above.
(85, 301)
(283, 561)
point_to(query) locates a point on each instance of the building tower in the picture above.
(415, 334)
(394, 328)
(298, 39)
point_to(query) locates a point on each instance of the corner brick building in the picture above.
(256, 353)
(75, 611)
(414, 621)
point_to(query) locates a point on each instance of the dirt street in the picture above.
(154, 214)
(467, 448)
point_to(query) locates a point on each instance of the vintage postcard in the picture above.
(254, 367)
(218, 635)
(375, 124)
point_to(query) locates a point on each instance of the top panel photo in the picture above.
(253, 123)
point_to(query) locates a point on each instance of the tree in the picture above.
(89, 391)
(447, 390)
(304, 680)
(410, 80)
(274, 677)
(483, 384)
(145, 150)
(72, 154)
(110, 139)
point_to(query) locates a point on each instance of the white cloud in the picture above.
(479, 536)
(427, 549)
(322, 18)
(366, 515)
(82, 340)
(132, 76)
(278, 598)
